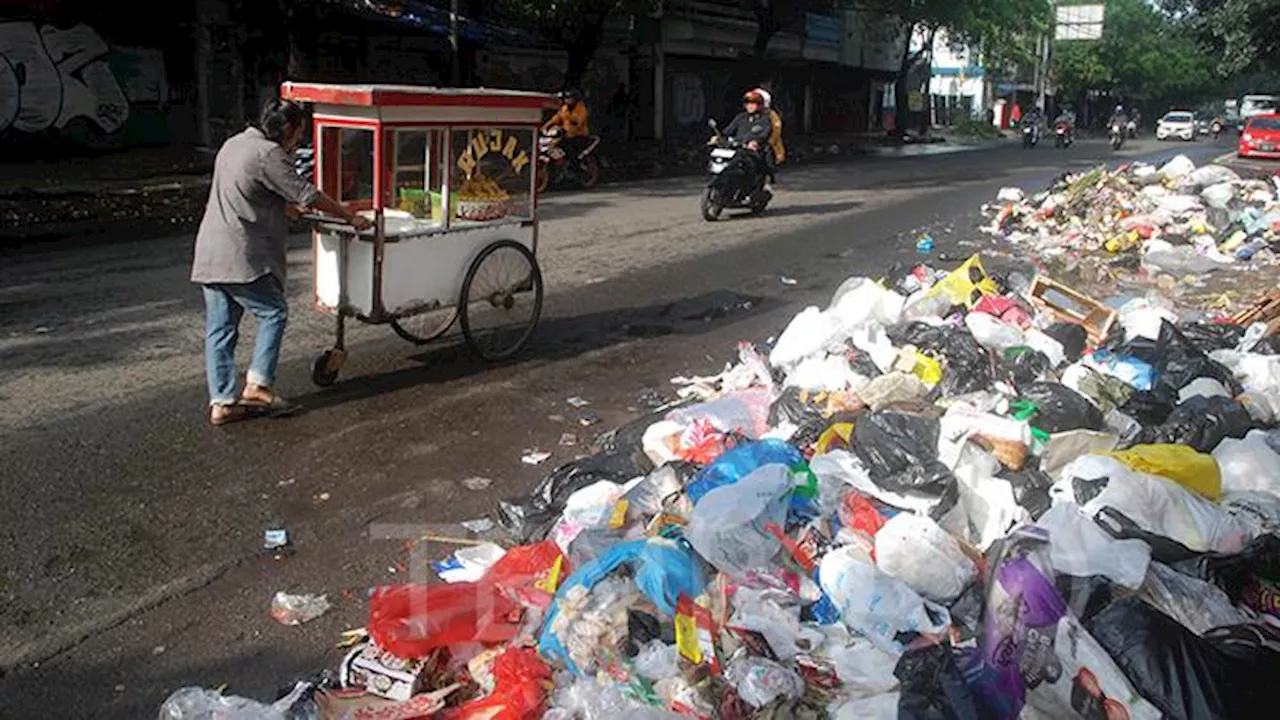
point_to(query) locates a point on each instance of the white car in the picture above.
(1181, 125)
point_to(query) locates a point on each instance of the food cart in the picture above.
(448, 177)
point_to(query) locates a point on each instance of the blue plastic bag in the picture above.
(663, 570)
(741, 461)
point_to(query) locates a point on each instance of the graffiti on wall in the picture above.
(50, 76)
(689, 102)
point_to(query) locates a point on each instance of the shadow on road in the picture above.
(557, 338)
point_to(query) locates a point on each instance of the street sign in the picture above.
(1079, 22)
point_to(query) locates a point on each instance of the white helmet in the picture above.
(768, 99)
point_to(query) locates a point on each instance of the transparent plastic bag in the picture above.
(1197, 605)
(759, 681)
(875, 604)
(728, 526)
(1249, 464)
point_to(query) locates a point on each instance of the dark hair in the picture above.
(278, 116)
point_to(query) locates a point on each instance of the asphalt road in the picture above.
(131, 564)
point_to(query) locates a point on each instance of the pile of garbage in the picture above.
(1175, 219)
(954, 501)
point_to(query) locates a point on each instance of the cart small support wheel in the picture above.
(501, 300)
(325, 369)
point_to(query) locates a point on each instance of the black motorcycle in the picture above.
(737, 178)
(1063, 136)
(1030, 133)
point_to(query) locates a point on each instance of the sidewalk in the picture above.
(146, 192)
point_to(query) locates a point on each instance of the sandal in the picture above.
(225, 414)
(267, 402)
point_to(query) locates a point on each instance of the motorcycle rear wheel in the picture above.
(711, 207)
(544, 177)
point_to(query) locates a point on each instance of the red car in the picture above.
(1261, 137)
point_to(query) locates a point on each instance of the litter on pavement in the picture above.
(945, 494)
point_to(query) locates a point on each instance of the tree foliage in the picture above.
(1143, 54)
(577, 25)
(1243, 34)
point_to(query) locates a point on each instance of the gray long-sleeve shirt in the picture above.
(244, 232)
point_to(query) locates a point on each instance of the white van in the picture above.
(1251, 105)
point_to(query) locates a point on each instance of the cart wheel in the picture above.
(424, 327)
(324, 371)
(501, 300)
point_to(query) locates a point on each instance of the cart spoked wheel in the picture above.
(325, 368)
(501, 300)
(421, 328)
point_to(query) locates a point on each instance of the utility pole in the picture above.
(455, 62)
(1046, 59)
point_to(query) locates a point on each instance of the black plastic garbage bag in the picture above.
(1178, 361)
(1200, 422)
(967, 610)
(1207, 337)
(933, 688)
(1073, 337)
(1150, 407)
(1030, 487)
(530, 518)
(627, 442)
(1248, 576)
(1221, 675)
(900, 451)
(802, 409)
(1059, 408)
(1122, 527)
(967, 365)
(1085, 596)
(1023, 366)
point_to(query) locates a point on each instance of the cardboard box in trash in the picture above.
(384, 674)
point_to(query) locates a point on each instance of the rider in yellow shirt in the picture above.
(574, 119)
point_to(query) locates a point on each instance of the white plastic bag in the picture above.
(592, 506)
(1178, 167)
(728, 523)
(1078, 546)
(1248, 464)
(864, 669)
(917, 551)
(825, 372)
(807, 334)
(1213, 175)
(876, 707)
(860, 299)
(1155, 504)
(1219, 196)
(775, 614)
(657, 660)
(991, 333)
(873, 603)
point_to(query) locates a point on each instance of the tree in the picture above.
(577, 25)
(1243, 34)
(1143, 55)
(1003, 31)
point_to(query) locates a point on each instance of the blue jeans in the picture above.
(224, 305)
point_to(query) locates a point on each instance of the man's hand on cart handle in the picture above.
(326, 204)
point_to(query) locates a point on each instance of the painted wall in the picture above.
(71, 84)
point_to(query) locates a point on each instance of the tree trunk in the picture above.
(901, 90)
(926, 56)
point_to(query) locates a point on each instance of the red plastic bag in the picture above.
(409, 621)
(521, 681)
(857, 513)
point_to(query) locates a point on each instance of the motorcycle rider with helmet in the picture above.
(574, 120)
(752, 129)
